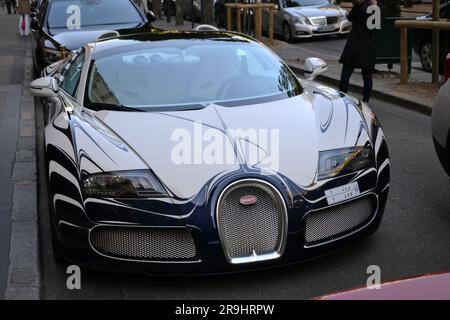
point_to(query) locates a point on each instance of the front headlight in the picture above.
(123, 184)
(299, 19)
(343, 14)
(338, 162)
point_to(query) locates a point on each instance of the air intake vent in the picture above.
(252, 221)
(142, 243)
(332, 20)
(338, 220)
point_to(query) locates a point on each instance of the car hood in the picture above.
(315, 11)
(286, 135)
(74, 39)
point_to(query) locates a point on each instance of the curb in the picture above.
(377, 94)
(24, 277)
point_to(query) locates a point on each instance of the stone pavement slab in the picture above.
(19, 252)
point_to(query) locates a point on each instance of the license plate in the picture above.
(342, 193)
(326, 28)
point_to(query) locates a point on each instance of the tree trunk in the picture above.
(157, 9)
(179, 17)
(207, 7)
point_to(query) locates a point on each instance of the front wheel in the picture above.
(287, 34)
(425, 56)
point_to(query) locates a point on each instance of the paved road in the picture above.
(414, 238)
(329, 47)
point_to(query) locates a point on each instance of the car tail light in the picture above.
(447, 68)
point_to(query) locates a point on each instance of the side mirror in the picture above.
(314, 67)
(34, 24)
(150, 16)
(44, 87)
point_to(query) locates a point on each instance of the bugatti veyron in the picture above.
(202, 152)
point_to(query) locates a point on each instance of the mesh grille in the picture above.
(319, 21)
(332, 20)
(144, 243)
(251, 228)
(337, 220)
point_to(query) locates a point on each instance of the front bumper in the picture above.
(210, 257)
(309, 31)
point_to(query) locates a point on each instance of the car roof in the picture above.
(141, 40)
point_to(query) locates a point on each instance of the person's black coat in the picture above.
(360, 49)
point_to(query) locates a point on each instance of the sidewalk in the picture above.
(19, 250)
(418, 94)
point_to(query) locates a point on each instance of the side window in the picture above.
(72, 75)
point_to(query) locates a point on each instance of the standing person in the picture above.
(24, 11)
(8, 5)
(360, 49)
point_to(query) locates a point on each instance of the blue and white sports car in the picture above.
(202, 152)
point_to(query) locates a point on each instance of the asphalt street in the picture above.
(414, 237)
(329, 47)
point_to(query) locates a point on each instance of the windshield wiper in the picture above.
(112, 107)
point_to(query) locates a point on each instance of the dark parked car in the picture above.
(422, 37)
(54, 30)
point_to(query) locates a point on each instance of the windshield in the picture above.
(188, 72)
(304, 3)
(63, 14)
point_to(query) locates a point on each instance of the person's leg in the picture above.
(27, 25)
(8, 6)
(20, 25)
(368, 84)
(346, 73)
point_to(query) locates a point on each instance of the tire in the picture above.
(287, 33)
(425, 56)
